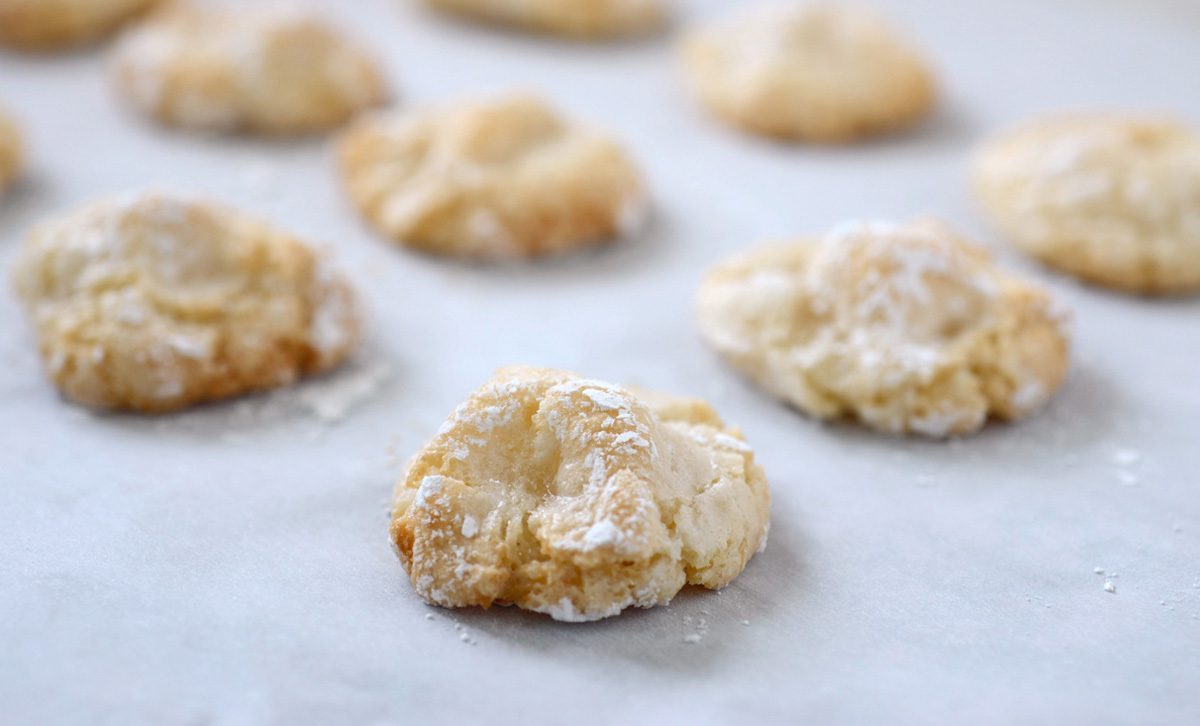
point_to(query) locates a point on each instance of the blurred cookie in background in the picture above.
(1113, 199)
(47, 25)
(492, 179)
(10, 151)
(580, 19)
(808, 71)
(272, 70)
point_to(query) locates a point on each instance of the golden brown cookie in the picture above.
(577, 498)
(808, 71)
(270, 70)
(583, 19)
(490, 179)
(10, 151)
(154, 302)
(1113, 199)
(43, 25)
(908, 329)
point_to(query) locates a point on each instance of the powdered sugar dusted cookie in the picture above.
(273, 69)
(1112, 199)
(490, 179)
(572, 18)
(577, 498)
(808, 71)
(56, 24)
(906, 328)
(10, 151)
(153, 302)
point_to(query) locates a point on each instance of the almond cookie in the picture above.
(1112, 199)
(908, 329)
(808, 71)
(154, 302)
(269, 70)
(583, 19)
(577, 498)
(10, 151)
(56, 24)
(492, 179)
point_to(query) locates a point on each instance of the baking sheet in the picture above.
(230, 565)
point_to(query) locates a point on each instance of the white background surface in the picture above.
(219, 567)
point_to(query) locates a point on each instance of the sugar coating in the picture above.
(154, 302)
(808, 71)
(496, 178)
(577, 498)
(272, 69)
(1113, 199)
(582, 19)
(44, 25)
(907, 328)
(10, 151)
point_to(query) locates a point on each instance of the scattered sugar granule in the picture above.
(745, 622)
(1128, 478)
(1126, 457)
(1098, 570)
(429, 616)
(692, 639)
(332, 398)
(1110, 586)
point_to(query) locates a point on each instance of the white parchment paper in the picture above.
(230, 565)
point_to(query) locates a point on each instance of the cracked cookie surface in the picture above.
(154, 302)
(269, 70)
(1113, 199)
(577, 498)
(502, 178)
(808, 71)
(908, 329)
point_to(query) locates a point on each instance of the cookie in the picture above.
(491, 179)
(1113, 199)
(154, 302)
(268, 70)
(908, 329)
(581, 19)
(577, 498)
(43, 25)
(10, 151)
(808, 72)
